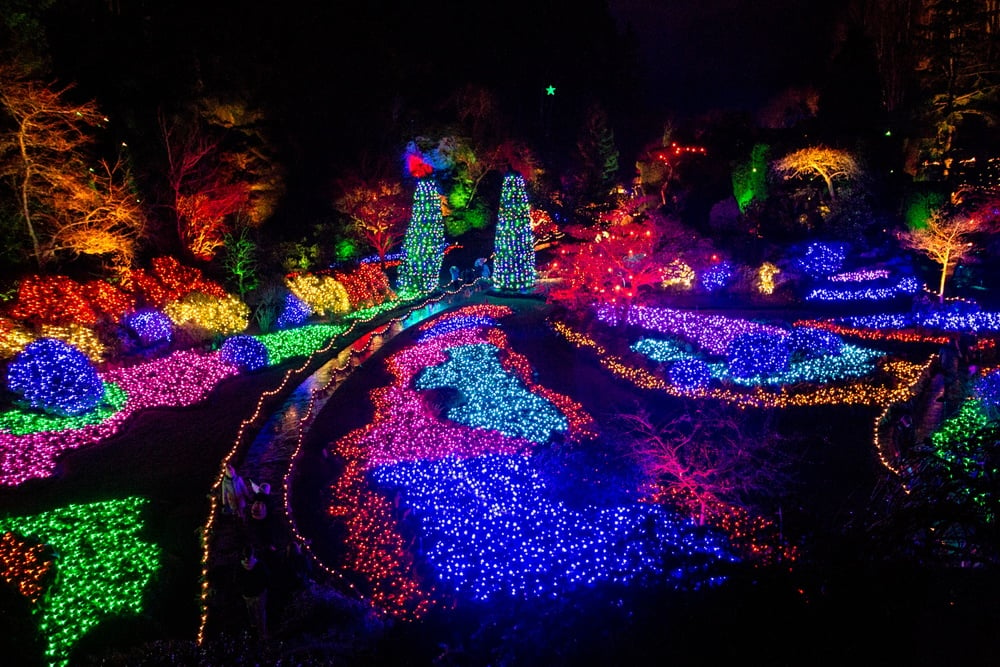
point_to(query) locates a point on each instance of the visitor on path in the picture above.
(252, 581)
(235, 494)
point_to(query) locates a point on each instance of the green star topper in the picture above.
(550, 90)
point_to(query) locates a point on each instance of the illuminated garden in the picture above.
(351, 337)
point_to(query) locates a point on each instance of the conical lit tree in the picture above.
(423, 249)
(514, 245)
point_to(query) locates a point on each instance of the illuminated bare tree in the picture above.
(946, 239)
(704, 457)
(44, 149)
(830, 164)
(378, 210)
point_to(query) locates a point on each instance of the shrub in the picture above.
(206, 316)
(52, 300)
(245, 352)
(55, 377)
(690, 374)
(295, 312)
(323, 294)
(149, 327)
(809, 343)
(757, 353)
(987, 390)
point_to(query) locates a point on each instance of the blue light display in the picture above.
(295, 312)
(809, 343)
(717, 277)
(245, 352)
(754, 354)
(491, 528)
(690, 374)
(822, 259)
(149, 326)
(447, 325)
(55, 377)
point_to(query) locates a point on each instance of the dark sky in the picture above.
(697, 54)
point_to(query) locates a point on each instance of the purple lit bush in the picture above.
(295, 312)
(757, 353)
(149, 327)
(809, 343)
(55, 377)
(690, 374)
(245, 352)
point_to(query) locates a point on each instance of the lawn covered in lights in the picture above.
(490, 522)
(102, 566)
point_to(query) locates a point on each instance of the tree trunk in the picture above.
(26, 213)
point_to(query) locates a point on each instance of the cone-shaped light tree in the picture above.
(514, 244)
(423, 245)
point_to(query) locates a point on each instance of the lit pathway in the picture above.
(268, 457)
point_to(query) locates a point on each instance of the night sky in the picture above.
(730, 54)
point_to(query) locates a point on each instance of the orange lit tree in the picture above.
(67, 205)
(947, 239)
(829, 164)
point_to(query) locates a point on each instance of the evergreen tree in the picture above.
(598, 154)
(423, 245)
(959, 75)
(514, 245)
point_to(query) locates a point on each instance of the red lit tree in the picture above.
(378, 212)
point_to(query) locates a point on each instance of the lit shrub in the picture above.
(206, 316)
(987, 390)
(79, 336)
(295, 313)
(245, 352)
(323, 294)
(13, 337)
(149, 327)
(822, 259)
(690, 374)
(55, 377)
(717, 277)
(756, 354)
(809, 343)
(52, 300)
(366, 286)
(107, 300)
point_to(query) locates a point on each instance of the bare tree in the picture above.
(946, 239)
(830, 164)
(705, 456)
(44, 150)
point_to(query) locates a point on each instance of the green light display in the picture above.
(514, 245)
(423, 247)
(103, 566)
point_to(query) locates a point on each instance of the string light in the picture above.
(104, 567)
(423, 243)
(716, 277)
(54, 377)
(294, 313)
(207, 316)
(765, 277)
(514, 249)
(323, 294)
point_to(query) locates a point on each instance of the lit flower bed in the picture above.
(104, 566)
(894, 380)
(489, 525)
(712, 333)
(183, 378)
